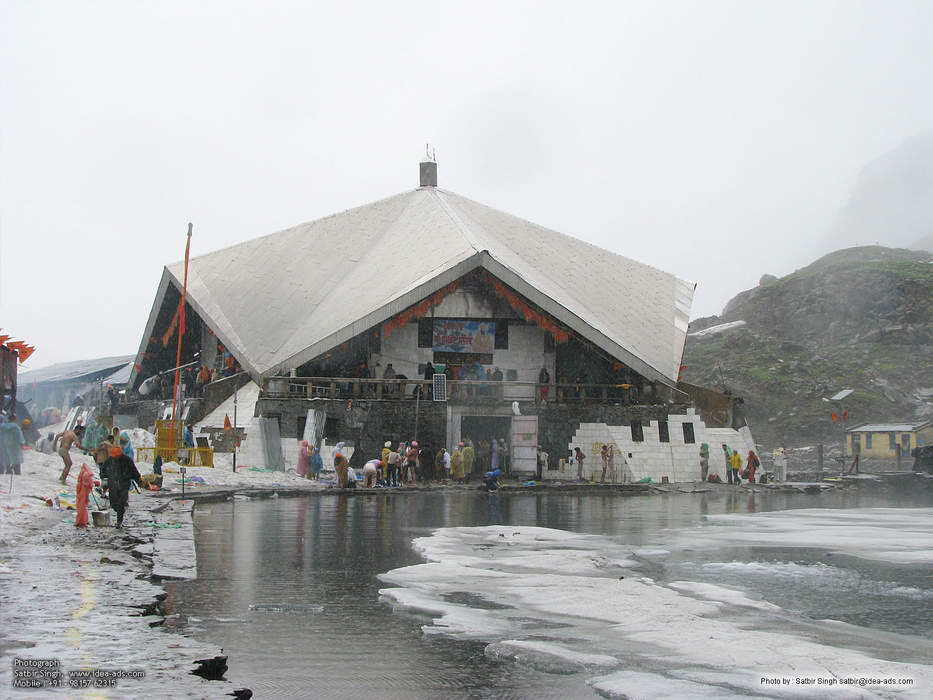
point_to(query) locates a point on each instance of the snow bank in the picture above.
(898, 535)
(565, 603)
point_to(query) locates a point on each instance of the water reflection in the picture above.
(298, 553)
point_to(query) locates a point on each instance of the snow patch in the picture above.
(713, 330)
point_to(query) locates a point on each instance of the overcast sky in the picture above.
(714, 140)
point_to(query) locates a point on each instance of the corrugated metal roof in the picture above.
(889, 427)
(285, 298)
(76, 371)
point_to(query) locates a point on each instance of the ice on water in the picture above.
(565, 602)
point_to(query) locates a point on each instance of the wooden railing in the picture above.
(191, 456)
(460, 391)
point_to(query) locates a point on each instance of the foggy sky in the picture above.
(715, 140)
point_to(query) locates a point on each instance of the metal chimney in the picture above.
(428, 169)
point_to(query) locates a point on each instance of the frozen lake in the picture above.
(468, 594)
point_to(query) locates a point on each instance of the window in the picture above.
(892, 441)
(688, 434)
(502, 335)
(638, 434)
(867, 441)
(549, 344)
(905, 442)
(302, 421)
(426, 333)
(663, 432)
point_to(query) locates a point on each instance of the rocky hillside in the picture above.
(860, 318)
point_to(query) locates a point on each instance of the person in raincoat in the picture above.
(469, 455)
(342, 467)
(11, 446)
(752, 464)
(338, 450)
(317, 463)
(736, 460)
(456, 464)
(384, 469)
(125, 445)
(85, 484)
(120, 471)
(440, 473)
(704, 461)
(304, 461)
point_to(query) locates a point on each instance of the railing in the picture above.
(191, 456)
(459, 391)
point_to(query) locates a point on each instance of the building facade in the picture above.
(434, 318)
(886, 440)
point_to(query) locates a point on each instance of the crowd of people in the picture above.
(407, 463)
(113, 455)
(748, 468)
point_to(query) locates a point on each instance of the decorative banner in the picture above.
(464, 336)
(529, 314)
(418, 310)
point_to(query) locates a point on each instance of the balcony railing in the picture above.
(460, 391)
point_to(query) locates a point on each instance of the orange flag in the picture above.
(227, 424)
(834, 417)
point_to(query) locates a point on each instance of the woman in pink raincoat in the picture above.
(85, 484)
(304, 460)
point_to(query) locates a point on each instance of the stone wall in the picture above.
(365, 424)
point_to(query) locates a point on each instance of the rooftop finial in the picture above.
(428, 167)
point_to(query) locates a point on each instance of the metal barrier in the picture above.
(462, 390)
(191, 456)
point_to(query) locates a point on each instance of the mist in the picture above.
(717, 141)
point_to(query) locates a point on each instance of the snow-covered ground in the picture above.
(68, 594)
(563, 603)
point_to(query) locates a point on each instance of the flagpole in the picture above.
(236, 440)
(181, 332)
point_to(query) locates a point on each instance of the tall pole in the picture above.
(181, 332)
(842, 416)
(236, 439)
(417, 406)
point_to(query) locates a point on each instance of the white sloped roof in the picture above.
(76, 371)
(283, 299)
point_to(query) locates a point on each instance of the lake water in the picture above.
(290, 587)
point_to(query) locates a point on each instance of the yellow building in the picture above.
(883, 439)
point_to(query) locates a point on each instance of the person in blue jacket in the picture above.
(11, 446)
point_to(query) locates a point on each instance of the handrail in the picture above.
(458, 389)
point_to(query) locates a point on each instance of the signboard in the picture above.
(464, 336)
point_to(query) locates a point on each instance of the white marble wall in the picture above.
(677, 460)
